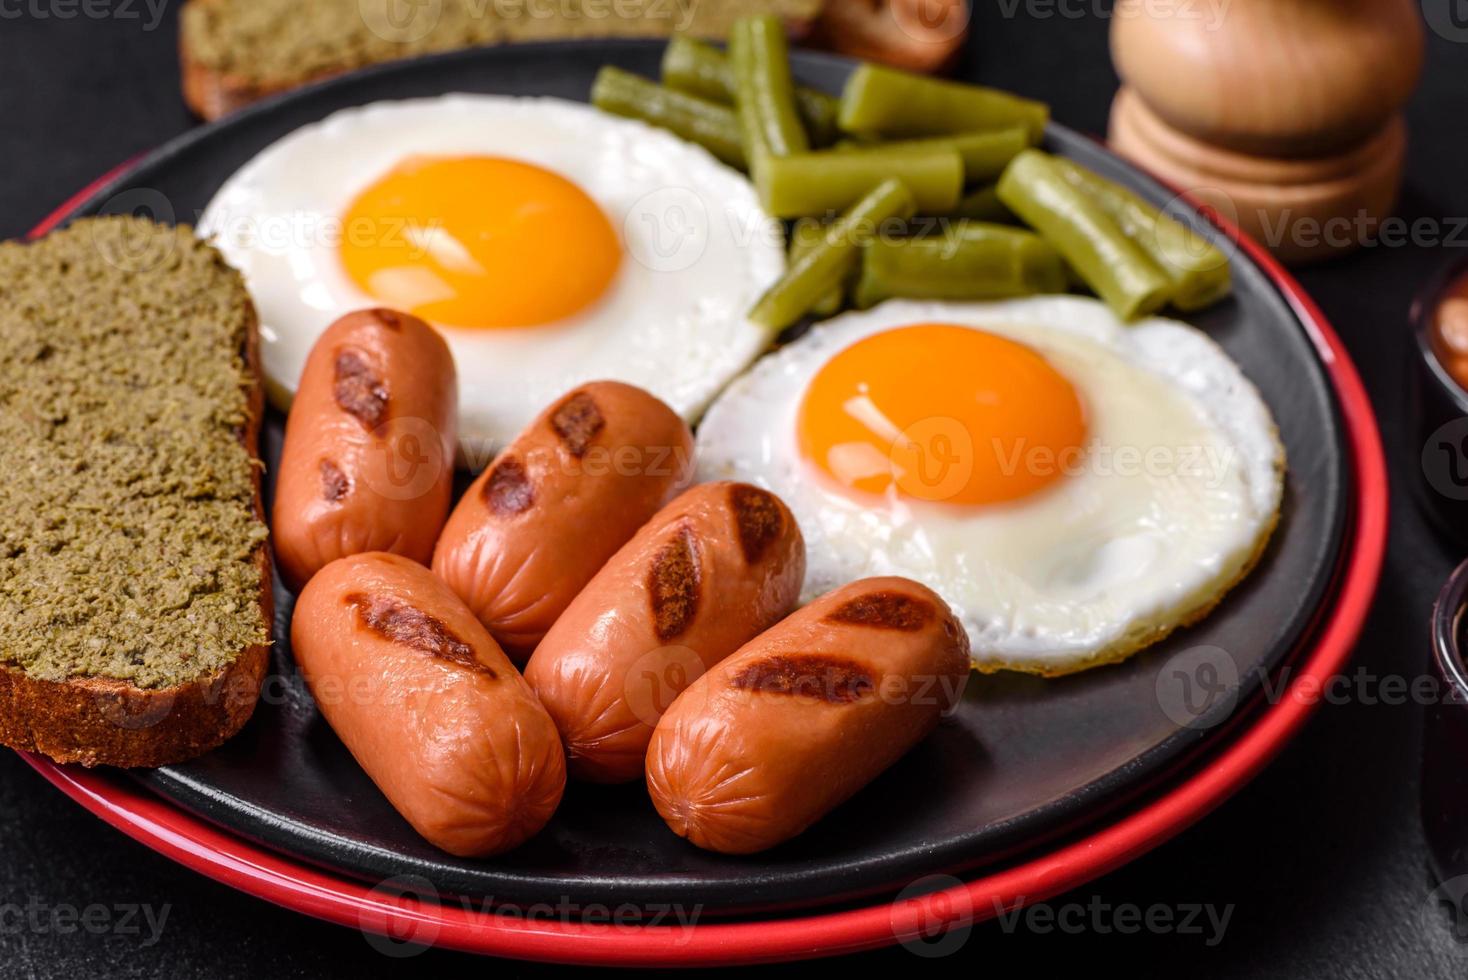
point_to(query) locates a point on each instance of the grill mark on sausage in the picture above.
(508, 492)
(885, 610)
(673, 585)
(334, 483)
(388, 318)
(413, 628)
(577, 421)
(834, 680)
(758, 516)
(359, 391)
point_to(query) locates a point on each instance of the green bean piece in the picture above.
(896, 103)
(818, 111)
(804, 237)
(985, 155)
(970, 260)
(983, 204)
(823, 182)
(764, 92)
(834, 257)
(701, 69)
(1199, 270)
(1112, 264)
(711, 126)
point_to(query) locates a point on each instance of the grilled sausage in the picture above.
(368, 461)
(555, 505)
(427, 703)
(713, 569)
(803, 716)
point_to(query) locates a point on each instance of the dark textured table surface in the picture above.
(1319, 864)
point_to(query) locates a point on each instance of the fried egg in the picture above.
(550, 244)
(1074, 486)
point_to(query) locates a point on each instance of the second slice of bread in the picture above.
(233, 52)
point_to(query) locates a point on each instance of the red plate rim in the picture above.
(207, 849)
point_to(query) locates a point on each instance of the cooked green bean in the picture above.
(818, 110)
(805, 235)
(826, 181)
(895, 103)
(696, 120)
(1198, 270)
(1112, 264)
(984, 155)
(969, 260)
(701, 69)
(834, 257)
(984, 205)
(764, 92)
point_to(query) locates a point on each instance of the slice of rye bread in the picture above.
(233, 52)
(134, 568)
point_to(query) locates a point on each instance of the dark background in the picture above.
(1321, 857)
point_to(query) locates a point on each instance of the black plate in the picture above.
(1021, 760)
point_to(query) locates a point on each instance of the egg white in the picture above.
(697, 252)
(1171, 504)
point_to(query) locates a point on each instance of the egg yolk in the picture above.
(479, 242)
(941, 413)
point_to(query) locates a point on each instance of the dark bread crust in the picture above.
(102, 721)
(211, 94)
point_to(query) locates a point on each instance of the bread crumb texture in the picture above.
(285, 42)
(127, 519)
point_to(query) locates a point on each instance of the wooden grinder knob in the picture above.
(1284, 115)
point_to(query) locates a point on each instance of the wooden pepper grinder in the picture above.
(1284, 115)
